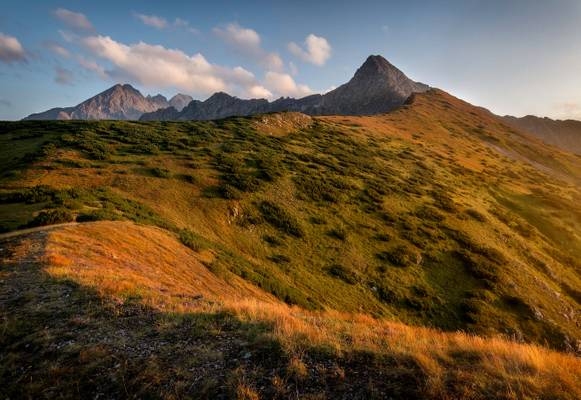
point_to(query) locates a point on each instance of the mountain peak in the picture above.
(376, 65)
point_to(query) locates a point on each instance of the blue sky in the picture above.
(514, 57)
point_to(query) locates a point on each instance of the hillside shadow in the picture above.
(62, 339)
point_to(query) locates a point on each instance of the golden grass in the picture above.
(118, 258)
(123, 259)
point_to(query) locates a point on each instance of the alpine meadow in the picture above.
(384, 239)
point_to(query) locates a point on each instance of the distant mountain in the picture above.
(377, 87)
(122, 102)
(179, 101)
(564, 134)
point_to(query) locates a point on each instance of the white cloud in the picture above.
(152, 20)
(159, 67)
(92, 66)
(317, 50)
(5, 103)
(11, 50)
(293, 68)
(247, 41)
(68, 36)
(63, 76)
(259, 92)
(180, 23)
(57, 49)
(284, 85)
(74, 20)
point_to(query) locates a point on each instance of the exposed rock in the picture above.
(118, 102)
(179, 101)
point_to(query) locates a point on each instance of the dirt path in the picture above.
(32, 230)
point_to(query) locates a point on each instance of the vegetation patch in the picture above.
(280, 218)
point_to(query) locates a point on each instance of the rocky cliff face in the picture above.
(376, 87)
(122, 102)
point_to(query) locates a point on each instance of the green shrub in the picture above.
(229, 192)
(38, 194)
(428, 213)
(160, 172)
(338, 233)
(382, 237)
(401, 255)
(272, 240)
(280, 218)
(321, 189)
(52, 217)
(472, 213)
(279, 259)
(188, 178)
(340, 272)
(192, 240)
(480, 267)
(99, 215)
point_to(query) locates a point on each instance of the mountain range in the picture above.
(377, 87)
(565, 134)
(120, 102)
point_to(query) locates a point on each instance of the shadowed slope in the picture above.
(69, 330)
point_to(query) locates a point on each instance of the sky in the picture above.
(513, 57)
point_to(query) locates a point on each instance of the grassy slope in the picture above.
(87, 312)
(436, 214)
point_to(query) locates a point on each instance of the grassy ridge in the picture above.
(431, 215)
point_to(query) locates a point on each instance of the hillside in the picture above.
(114, 309)
(563, 134)
(436, 214)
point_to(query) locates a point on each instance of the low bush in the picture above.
(99, 215)
(402, 256)
(340, 272)
(229, 192)
(191, 240)
(279, 259)
(472, 213)
(280, 218)
(272, 240)
(52, 217)
(338, 233)
(160, 172)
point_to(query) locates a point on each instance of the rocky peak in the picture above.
(179, 101)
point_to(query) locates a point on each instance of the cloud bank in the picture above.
(317, 50)
(247, 41)
(157, 66)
